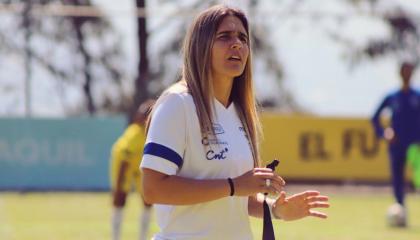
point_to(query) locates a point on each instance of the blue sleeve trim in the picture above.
(159, 150)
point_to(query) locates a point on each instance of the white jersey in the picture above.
(174, 146)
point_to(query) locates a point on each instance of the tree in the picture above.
(152, 80)
(75, 51)
(403, 42)
(141, 92)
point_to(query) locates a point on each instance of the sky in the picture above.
(317, 69)
(318, 72)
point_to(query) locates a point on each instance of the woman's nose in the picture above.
(237, 44)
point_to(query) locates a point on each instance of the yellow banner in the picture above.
(315, 148)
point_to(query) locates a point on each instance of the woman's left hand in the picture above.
(300, 205)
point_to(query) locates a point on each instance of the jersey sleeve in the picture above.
(166, 138)
(379, 131)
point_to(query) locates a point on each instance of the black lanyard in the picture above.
(268, 231)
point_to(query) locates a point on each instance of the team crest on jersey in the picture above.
(211, 139)
(217, 129)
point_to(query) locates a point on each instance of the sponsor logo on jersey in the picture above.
(211, 155)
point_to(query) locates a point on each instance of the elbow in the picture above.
(150, 195)
(374, 121)
(151, 187)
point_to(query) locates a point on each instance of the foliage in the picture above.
(162, 73)
(79, 52)
(403, 42)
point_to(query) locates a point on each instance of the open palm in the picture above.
(300, 205)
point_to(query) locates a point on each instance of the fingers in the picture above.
(273, 188)
(255, 181)
(269, 175)
(319, 205)
(300, 205)
(269, 180)
(317, 214)
(317, 201)
(310, 196)
(262, 170)
(314, 200)
(310, 193)
(282, 198)
(265, 173)
(279, 179)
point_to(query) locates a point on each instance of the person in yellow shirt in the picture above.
(124, 171)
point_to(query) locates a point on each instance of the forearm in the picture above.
(175, 190)
(255, 205)
(376, 121)
(377, 128)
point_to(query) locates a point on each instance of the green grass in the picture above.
(69, 216)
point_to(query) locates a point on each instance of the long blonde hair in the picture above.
(196, 70)
(197, 67)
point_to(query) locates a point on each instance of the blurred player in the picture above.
(404, 130)
(125, 161)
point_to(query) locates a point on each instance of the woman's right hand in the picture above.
(389, 135)
(254, 181)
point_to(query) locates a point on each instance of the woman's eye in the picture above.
(243, 39)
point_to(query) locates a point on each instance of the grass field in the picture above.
(70, 216)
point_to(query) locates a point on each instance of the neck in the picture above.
(405, 87)
(222, 88)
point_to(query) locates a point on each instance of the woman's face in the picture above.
(230, 49)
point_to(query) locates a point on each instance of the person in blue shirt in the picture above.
(404, 128)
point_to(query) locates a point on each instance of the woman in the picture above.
(200, 162)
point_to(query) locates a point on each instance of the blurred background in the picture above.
(73, 72)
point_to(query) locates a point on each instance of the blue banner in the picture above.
(57, 154)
